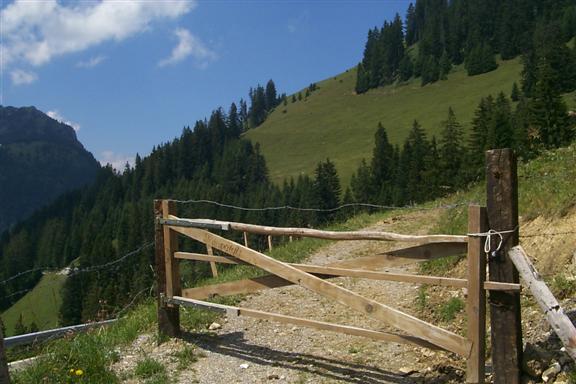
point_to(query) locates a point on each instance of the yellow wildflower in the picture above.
(79, 372)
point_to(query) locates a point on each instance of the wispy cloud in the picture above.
(58, 117)
(21, 77)
(189, 45)
(35, 32)
(91, 63)
(297, 23)
(116, 160)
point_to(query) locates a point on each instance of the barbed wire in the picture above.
(548, 234)
(81, 270)
(289, 207)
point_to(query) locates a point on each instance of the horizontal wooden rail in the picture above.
(360, 273)
(345, 329)
(314, 233)
(36, 337)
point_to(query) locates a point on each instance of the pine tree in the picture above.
(361, 184)
(271, 99)
(501, 131)
(451, 152)
(480, 60)
(382, 166)
(326, 189)
(549, 114)
(406, 68)
(445, 66)
(479, 135)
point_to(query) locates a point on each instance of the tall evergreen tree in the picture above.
(549, 114)
(382, 166)
(327, 189)
(451, 152)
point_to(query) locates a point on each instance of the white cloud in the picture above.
(91, 63)
(116, 160)
(35, 32)
(21, 77)
(188, 45)
(58, 117)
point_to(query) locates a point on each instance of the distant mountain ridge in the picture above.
(40, 159)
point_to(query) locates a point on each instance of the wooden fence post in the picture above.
(505, 318)
(167, 272)
(4, 375)
(476, 303)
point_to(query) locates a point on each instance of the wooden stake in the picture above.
(246, 239)
(212, 263)
(476, 304)
(167, 284)
(505, 319)
(4, 375)
(270, 243)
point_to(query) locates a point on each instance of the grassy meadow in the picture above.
(40, 305)
(334, 122)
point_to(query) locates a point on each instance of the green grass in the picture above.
(152, 371)
(335, 123)
(448, 310)
(41, 305)
(92, 352)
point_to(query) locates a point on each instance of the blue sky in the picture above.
(131, 74)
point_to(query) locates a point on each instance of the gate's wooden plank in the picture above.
(205, 257)
(235, 287)
(410, 324)
(328, 235)
(430, 251)
(476, 301)
(560, 323)
(345, 329)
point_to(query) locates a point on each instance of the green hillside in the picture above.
(334, 122)
(40, 305)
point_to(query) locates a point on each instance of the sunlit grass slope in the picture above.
(336, 123)
(40, 305)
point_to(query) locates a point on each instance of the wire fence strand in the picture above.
(80, 270)
(310, 209)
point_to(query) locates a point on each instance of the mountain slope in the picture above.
(334, 122)
(40, 159)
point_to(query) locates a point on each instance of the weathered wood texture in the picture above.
(476, 303)
(168, 315)
(333, 270)
(213, 267)
(4, 375)
(328, 235)
(345, 329)
(545, 299)
(410, 324)
(505, 319)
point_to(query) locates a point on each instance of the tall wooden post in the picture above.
(4, 376)
(476, 304)
(167, 272)
(502, 206)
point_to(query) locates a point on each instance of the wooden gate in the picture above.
(315, 278)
